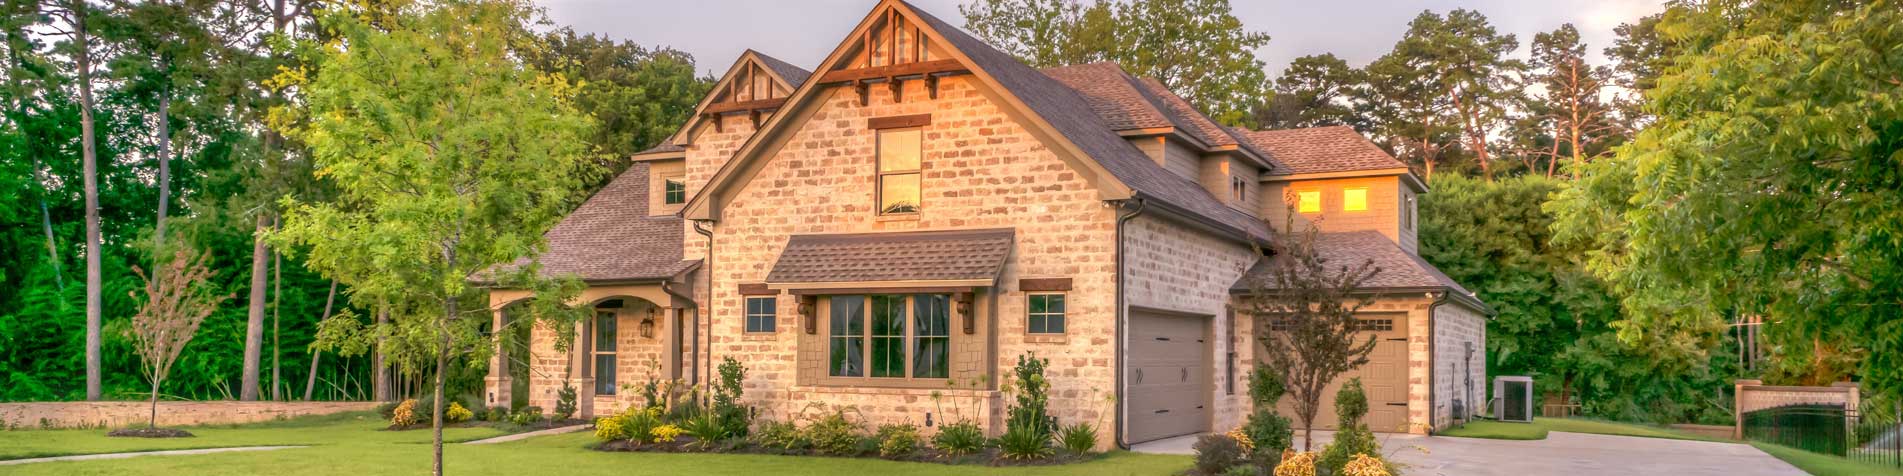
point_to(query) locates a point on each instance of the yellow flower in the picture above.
(666, 433)
(1242, 439)
(1297, 464)
(1364, 465)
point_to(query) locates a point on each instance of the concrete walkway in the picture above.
(1561, 453)
(532, 434)
(143, 453)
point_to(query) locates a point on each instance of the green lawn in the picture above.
(355, 446)
(358, 427)
(1825, 465)
(1538, 428)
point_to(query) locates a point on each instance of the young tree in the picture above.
(177, 299)
(1310, 305)
(449, 156)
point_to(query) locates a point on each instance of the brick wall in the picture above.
(1173, 268)
(123, 414)
(1455, 327)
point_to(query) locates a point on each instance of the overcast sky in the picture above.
(804, 31)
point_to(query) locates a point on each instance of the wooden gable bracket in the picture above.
(715, 117)
(861, 86)
(754, 114)
(809, 313)
(931, 86)
(964, 309)
(897, 86)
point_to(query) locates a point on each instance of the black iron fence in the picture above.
(1831, 430)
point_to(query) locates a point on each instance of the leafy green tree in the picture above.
(1407, 111)
(449, 155)
(1776, 146)
(1467, 63)
(636, 96)
(1569, 105)
(1315, 90)
(1639, 54)
(1197, 48)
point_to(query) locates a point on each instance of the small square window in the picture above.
(761, 314)
(675, 192)
(1046, 313)
(1308, 202)
(1354, 200)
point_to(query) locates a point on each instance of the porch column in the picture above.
(582, 376)
(498, 382)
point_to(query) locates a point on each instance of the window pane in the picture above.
(848, 324)
(676, 192)
(604, 374)
(605, 332)
(1054, 324)
(1354, 199)
(1056, 305)
(931, 330)
(1045, 314)
(1309, 202)
(898, 150)
(760, 314)
(898, 193)
(1037, 303)
(888, 336)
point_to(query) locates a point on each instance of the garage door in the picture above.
(1168, 375)
(1384, 378)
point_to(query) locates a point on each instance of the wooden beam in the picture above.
(908, 69)
(744, 106)
(894, 122)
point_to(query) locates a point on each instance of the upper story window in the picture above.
(899, 151)
(1407, 213)
(1308, 201)
(674, 192)
(1354, 199)
(1238, 188)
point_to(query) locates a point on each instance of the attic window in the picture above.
(1237, 187)
(899, 151)
(1354, 199)
(674, 192)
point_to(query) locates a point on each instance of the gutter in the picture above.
(1122, 319)
(707, 265)
(1433, 311)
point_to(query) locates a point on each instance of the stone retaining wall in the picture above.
(35, 415)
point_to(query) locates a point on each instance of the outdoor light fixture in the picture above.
(647, 325)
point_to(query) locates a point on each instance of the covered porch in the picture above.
(634, 333)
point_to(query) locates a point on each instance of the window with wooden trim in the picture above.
(898, 171)
(674, 191)
(1045, 313)
(1308, 201)
(1407, 213)
(1238, 188)
(1354, 199)
(890, 336)
(604, 352)
(761, 314)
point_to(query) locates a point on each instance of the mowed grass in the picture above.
(355, 427)
(1825, 465)
(357, 447)
(1540, 426)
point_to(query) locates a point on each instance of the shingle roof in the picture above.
(794, 75)
(1321, 150)
(612, 238)
(1399, 268)
(1071, 115)
(906, 256)
(1126, 102)
(664, 147)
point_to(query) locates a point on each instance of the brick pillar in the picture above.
(582, 377)
(1737, 406)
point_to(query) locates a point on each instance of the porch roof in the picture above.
(919, 257)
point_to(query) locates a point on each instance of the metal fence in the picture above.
(1830, 430)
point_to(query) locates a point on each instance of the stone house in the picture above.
(892, 230)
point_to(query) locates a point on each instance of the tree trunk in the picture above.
(277, 294)
(310, 382)
(90, 164)
(154, 422)
(442, 363)
(165, 177)
(380, 371)
(254, 322)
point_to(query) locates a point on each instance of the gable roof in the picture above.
(1400, 270)
(1130, 104)
(1326, 149)
(611, 238)
(783, 73)
(793, 76)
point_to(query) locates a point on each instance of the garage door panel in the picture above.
(1383, 379)
(1167, 375)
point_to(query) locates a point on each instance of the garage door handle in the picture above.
(1392, 404)
(1160, 412)
(1185, 374)
(1164, 339)
(1139, 376)
(1398, 339)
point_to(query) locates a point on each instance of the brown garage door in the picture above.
(1168, 375)
(1384, 378)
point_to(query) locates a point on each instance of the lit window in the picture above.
(604, 353)
(880, 348)
(1354, 200)
(1308, 202)
(1046, 313)
(676, 192)
(899, 151)
(760, 314)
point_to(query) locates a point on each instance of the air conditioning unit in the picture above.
(1513, 398)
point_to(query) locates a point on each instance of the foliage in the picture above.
(176, 303)
(1311, 306)
(1197, 48)
(666, 433)
(640, 424)
(495, 414)
(1030, 412)
(781, 435)
(1297, 464)
(610, 428)
(1567, 114)
(564, 402)
(1352, 436)
(405, 413)
(1365, 465)
(1314, 91)
(1215, 454)
(707, 428)
(834, 434)
(897, 440)
(1025, 442)
(527, 415)
(1078, 438)
(457, 414)
(727, 389)
(1266, 432)
(961, 438)
(1242, 439)
(637, 96)
(1775, 143)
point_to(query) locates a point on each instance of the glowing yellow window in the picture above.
(1308, 202)
(1354, 200)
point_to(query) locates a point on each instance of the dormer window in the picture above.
(1238, 187)
(1407, 213)
(674, 192)
(899, 151)
(1354, 199)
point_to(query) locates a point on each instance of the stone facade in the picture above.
(46, 415)
(1457, 375)
(1176, 269)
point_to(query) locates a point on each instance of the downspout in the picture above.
(1433, 314)
(707, 265)
(1122, 317)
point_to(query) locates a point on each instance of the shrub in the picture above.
(1297, 464)
(1240, 470)
(1215, 454)
(1268, 433)
(1351, 404)
(457, 414)
(783, 435)
(834, 434)
(708, 428)
(610, 428)
(565, 403)
(666, 433)
(528, 415)
(495, 414)
(959, 438)
(640, 424)
(1242, 439)
(734, 416)
(1025, 442)
(1030, 412)
(898, 440)
(387, 410)
(1079, 437)
(404, 414)
(1364, 465)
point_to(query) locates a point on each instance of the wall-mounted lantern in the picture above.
(647, 324)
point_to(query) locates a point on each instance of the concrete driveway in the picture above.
(1561, 454)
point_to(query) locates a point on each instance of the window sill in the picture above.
(759, 336)
(942, 389)
(1047, 339)
(898, 217)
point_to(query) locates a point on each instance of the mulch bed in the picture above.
(988, 457)
(150, 433)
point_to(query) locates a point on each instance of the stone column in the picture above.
(582, 375)
(498, 383)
